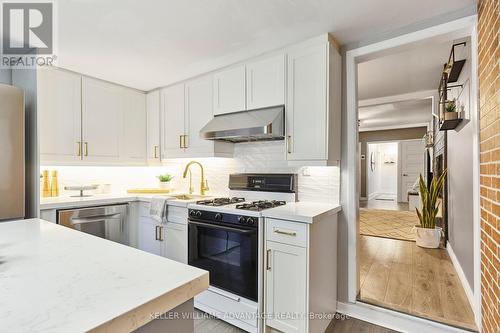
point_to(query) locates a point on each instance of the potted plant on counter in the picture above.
(165, 180)
(427, 234)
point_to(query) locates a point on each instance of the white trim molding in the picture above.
(459, 28)
(402, 126)
(394, 320)
(461, 275)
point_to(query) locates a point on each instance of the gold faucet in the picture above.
(203, 183)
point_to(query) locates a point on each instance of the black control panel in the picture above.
(223, 218)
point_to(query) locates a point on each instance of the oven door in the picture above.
(229, 253)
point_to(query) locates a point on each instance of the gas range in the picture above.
(242, 204)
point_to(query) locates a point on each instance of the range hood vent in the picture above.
(253, 125)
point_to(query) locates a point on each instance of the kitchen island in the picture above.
(57, 279)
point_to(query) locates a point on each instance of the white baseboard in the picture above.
(394, 320)
(461, 276)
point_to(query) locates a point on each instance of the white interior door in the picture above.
(412, 165)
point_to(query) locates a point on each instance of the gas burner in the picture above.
(260, 205)
(220, 201)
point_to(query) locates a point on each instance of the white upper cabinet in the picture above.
(59, 107)
(172, 117)
(134, 127)
(229, 90)
(198, 113)
(265, 82)
(313, 104)
(102, 121)
(153, 126)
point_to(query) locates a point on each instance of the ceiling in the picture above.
(414, 70)
(395, 115)
(147, 44)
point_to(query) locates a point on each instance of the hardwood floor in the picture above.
(352, 325)
(383, 204)
(401, 276)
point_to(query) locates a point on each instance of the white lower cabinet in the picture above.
(286, 286)
(300, 275)
(149, 238)
(164, 239)
(175, 244)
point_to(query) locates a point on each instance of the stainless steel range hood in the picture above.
(253, 125)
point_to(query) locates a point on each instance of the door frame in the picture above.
(463, 27)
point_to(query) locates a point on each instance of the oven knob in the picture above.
(192, 213)
(250, 221)
(198, 214)
(241, 219)
(218, 217)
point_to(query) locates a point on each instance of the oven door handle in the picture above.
(98, 218)
(221, 227)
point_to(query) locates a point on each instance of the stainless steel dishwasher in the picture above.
(109, 222)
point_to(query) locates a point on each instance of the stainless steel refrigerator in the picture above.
(12, 153)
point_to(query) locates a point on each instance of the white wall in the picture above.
(319, 184)
(460, 185)
(384, 179)
(5, 76)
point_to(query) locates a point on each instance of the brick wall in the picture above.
(489, 87)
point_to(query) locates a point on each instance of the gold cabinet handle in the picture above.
(155, 147)
(180, 141)
(156, 232)
(268, 260)
(79, 144)
(86, 148)
(288, 233)
(160, 237)
(289, 144)
(185, 144)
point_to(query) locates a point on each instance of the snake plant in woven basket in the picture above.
(428, 198)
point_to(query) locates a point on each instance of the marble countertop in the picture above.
(57, 279)
(105, 199)
(306, 212)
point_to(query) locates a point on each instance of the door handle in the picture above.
(288, 233)
(78, 220)
(289, 144)
(268, 260)
(86, 148)
(156, 232)
(231, 297)
(180, 141)
(160, 236)
(185, 144)
(155, 147)
(79, 144)
(405, 175)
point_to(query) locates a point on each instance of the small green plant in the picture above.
(165, 178)
(451, 106)
(428, 197)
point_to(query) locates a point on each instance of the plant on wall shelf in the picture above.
(451, 106)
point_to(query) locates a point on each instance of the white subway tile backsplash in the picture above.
(320, 184)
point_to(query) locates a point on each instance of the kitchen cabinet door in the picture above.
(286, 284)
(149, 238)
(59, 107)
(175, 244)
(134, 128)
(153, 126)
(172, 117)
(266, 82)
(229, 90)
(198, 113)
(306, 116)
(102, 121)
